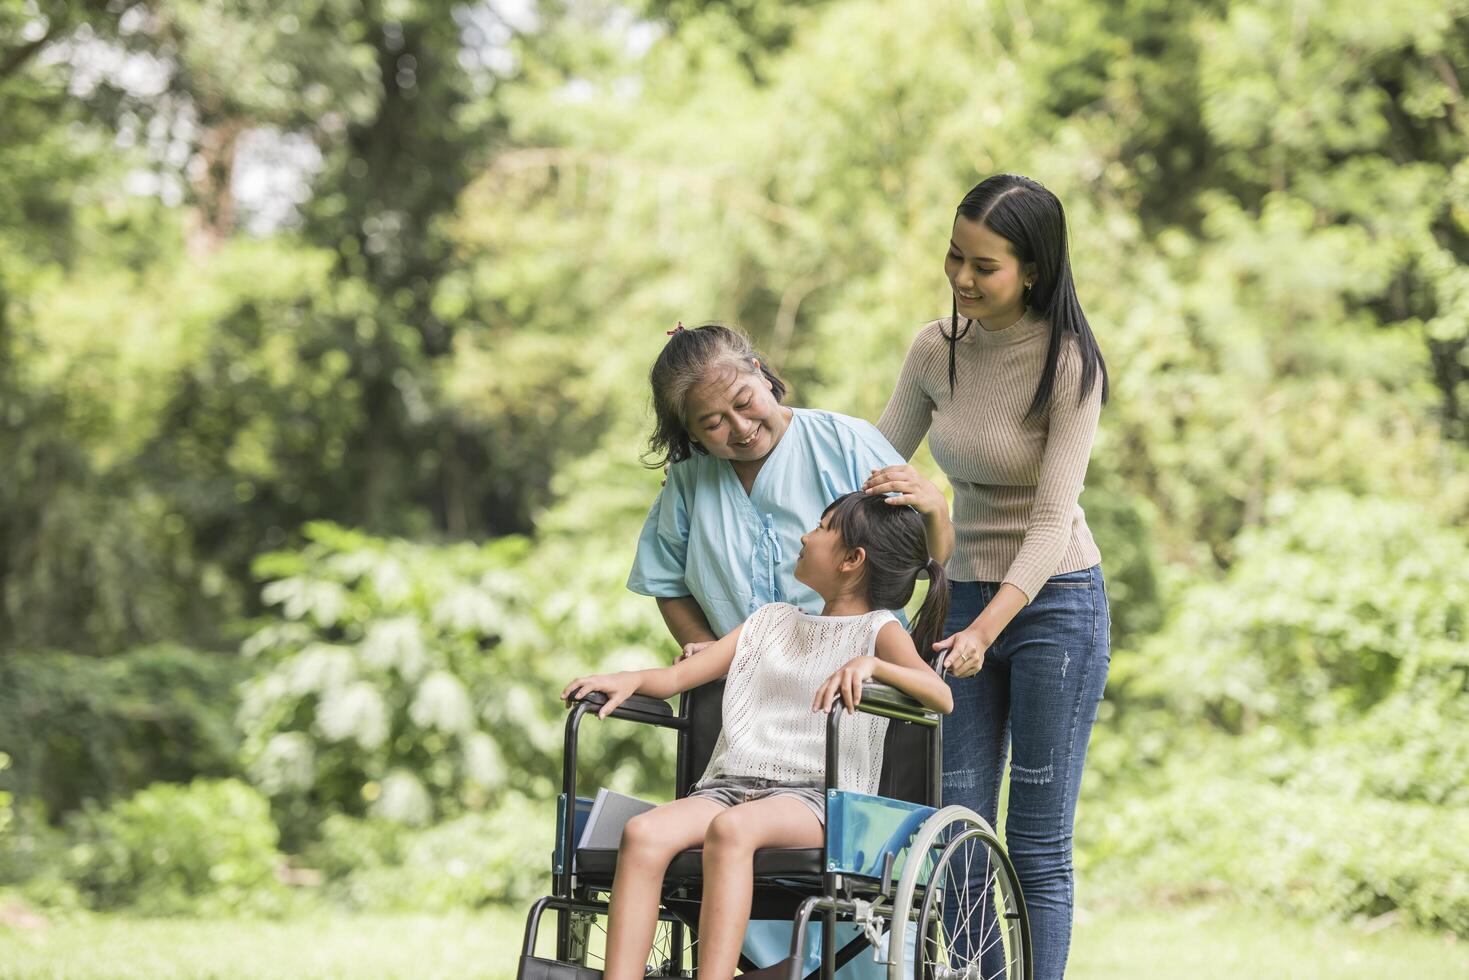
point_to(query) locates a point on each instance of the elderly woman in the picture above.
(747, 476)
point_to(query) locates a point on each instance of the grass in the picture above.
(1198, 941)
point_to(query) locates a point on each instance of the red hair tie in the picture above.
(677, 329)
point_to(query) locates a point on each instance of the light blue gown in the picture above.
(734, 552)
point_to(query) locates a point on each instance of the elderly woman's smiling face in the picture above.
(734, 415)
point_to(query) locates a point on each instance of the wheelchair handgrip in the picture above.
(637, 707)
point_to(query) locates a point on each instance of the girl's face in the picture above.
(824, 558)
(734, 415)
(988, 280)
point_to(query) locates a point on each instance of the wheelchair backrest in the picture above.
(703, 707)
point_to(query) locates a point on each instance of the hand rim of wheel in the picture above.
(922, 842)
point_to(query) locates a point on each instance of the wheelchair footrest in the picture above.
(538, 968)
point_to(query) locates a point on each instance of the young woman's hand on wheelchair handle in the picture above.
(965, 652)
(617, 687)
(847, 682)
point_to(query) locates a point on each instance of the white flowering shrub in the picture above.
(412, 683)
(379, 694)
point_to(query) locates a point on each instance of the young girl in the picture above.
(763, 785)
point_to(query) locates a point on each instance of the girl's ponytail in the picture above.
(928, 625)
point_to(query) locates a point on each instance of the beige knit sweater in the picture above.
(1016, 481)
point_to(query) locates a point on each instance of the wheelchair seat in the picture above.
(599, 863)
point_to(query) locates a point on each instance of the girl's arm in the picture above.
(896, 663)
(661, 682)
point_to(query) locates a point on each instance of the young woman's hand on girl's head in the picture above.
(847, 682)
(618, 688)
(907, 486)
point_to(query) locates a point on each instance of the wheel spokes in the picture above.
(968, 894)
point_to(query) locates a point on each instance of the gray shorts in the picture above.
(730, 791)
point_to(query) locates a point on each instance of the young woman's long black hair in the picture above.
(1031, 219)
(897, 553)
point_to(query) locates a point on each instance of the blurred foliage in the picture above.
(1334, 610)
(400, 681)
(1265, 820)
(471, 861)
(157, 418)
(436, 326)
(7, 799)
(1294, 732)
(77, 728)
(202, 849)
(377, 687)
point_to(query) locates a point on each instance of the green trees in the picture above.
(230, 423)
(167, 412)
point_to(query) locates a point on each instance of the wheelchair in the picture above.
(910, 881)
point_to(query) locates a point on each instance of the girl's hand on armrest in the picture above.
(905, 670)
(618, 688)
(847, 681)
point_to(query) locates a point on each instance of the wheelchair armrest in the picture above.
(638, 707)
(889, 702)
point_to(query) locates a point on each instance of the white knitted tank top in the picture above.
(770, 731)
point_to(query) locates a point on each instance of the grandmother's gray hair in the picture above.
(688, 359)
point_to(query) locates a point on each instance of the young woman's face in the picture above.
(734, 415)
(819, 563)
(988, 280)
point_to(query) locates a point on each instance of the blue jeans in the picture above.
(1037, 693)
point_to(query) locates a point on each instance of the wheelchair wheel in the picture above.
(972, 923)
(959, 885)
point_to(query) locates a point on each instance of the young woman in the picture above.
(1008, 389)
(785, 667)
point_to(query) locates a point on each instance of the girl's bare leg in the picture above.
(729, 872)
(649, 842)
